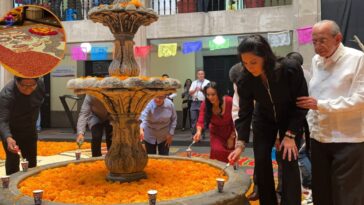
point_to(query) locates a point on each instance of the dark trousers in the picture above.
(185, 114)
(194, 111)
(97, 131)
(264, 138)
(152, 148)
(255, 182)
(337, 173)
(28, 147)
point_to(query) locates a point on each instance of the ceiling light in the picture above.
(86, 47)
(219, 40)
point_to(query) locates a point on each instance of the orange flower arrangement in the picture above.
(137, 3)
(124, 4)
(75, 183)
(52, 148)
(43, 31)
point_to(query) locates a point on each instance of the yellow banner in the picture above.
(166, 50)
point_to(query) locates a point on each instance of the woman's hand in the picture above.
(141, 135)
(197, 136)
(235, 155)
(290, 148)
(169, 140)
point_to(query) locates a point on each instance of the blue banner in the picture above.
(99, 53)
(190, 47)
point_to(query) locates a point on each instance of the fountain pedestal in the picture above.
(126, 158)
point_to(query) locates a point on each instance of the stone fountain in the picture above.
(123, 94)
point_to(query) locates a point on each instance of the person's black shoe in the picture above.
(253, 196)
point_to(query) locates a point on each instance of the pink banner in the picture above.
(304, 35)
(78, 53)
(141, 51)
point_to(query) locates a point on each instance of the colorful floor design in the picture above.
(247, 163)
(28, 54)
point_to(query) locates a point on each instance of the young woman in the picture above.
(186, 104)
(216, 112)
(274, 85)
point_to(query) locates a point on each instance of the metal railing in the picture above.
(68, 10)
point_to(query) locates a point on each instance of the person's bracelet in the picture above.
(240, 143)
(290, 135)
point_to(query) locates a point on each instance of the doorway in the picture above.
(97, 68)
(217, 69)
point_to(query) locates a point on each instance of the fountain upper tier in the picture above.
(123, 16)
(120, 82)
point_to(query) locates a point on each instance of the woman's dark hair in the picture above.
(295, 56)
(19, 79)
(186, 82)
(208, 104)
(257, 45)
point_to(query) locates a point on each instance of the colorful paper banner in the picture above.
(304, 35)
(167, 50)
(78, 53)
(279, 39)
(141, 51)
(99, 53)
(190, 47)
(214, 46)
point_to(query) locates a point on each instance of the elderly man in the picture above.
(336, 118)
(20, 101)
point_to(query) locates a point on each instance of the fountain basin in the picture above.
(234, 189)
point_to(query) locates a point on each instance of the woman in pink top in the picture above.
(215, 112)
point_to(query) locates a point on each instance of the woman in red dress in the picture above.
(215, 112)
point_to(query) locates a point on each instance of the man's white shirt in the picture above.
(198, 95)
(338, 85)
